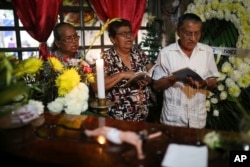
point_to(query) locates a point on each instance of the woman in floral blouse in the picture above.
(122, 61)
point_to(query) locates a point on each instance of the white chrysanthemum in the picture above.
(209, 1)
(226, 67)
(57, 105)
(207, 10)
(223, 95)
(73, 107)
(221, 87)
(246, 3)
(232, 59)
(85, 106)
(239, 42)
(222, 76)
(199, 2)
(190, 8)
(244, 67)
(200, 8)
(84, 88)
(212, 139)
(234, 19)
(77, 100)
(208, 105)
(243, 82)
(235, 75)
(203, 19)
(227, 15)
(214, 100)
(238, 61)
(247, 74)
(213, 14)
(216, 113)
(214, 4)
(245, 44)
(246, 59)
(220, 15)
(38, 104)
(224, 1)
(234, 91)
(229, 82)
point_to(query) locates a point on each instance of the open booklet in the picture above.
(187, 72)
(136, 77)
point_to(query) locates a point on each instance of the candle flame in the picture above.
(101, 139)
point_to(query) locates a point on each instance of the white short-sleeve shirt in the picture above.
(183, 105)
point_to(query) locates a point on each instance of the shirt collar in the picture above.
(176, 47)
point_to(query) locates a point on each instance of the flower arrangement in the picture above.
(71, 83)
(18, 79)
(234, 11)
(226, 24)
(31, 81)
(17, 86)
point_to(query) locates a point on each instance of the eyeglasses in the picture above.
(191, 34)
(71, 39)
(125, 34)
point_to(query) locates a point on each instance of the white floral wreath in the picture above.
(236, 11)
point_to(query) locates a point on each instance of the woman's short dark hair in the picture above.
(57, 34)
(114, 26)
(56, 30)
(188, 17)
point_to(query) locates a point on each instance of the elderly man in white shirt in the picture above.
(184, 100)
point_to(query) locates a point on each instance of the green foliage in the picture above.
(219, 33)
(151, 43)
(9, 87)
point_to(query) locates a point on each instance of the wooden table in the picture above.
(60, 143)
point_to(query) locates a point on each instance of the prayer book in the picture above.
(136, 77)
(187, 72)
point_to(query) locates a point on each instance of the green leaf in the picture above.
(10, 92)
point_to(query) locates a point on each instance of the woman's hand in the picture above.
(143, 82)
(127, 74)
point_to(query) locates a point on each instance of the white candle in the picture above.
(100, 78)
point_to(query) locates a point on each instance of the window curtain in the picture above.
(38, 18)
(131, 10)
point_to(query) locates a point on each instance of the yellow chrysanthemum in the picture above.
(67, 81)
(90, 77)
(55, 64)
(29, 66)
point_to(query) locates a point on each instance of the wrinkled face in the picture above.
(190, 34)
(123, 38)
(69, 41)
